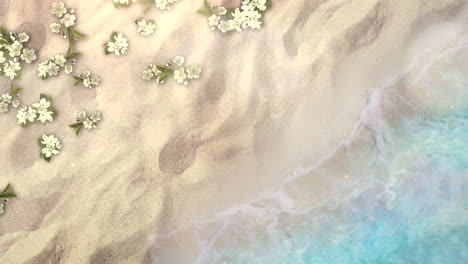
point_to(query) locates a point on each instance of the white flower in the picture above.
(95, 117)
(148, 75)
(179, 60)
(120, 39)
(52, 69)
(123, 2)
(49, 140)
(51, 145)
(23, 37)
(68, 68)
(87, 83)
(213, 20)
(45, 115)
(11, 68)
(259, 4)
(2, 57)
(146, 28)
(88, 124)
(48, 151)
(254, 24)
(26, 114)
(86, 74)
(21, 116)
(119, 45)
(162, 4)
(68, 20)
(15, 103)
(42, 105)
(7, 98)
(95, 80)
(60, 60)
(31, 114)
(3, 107)
(222, 10)
(43, 69)
(29, 55)
(58, 9)
(193, 72)
(226, 25)
(15, 49)
(82, 115)
(180, 76)
(55, 27)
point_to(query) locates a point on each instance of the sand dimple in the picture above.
(178, 155)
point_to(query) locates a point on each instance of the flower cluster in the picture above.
(88, 80)
(38, 112)
(52, 66)
(64, 25)
(13, 52)
(173, 68)
(50, 145)
(85, 121)
(123, 3)
(145, 27)
(164, 4)
(6, 193)
(65, 19)
(249, 15)
(118, 44)
(11, 98)
(161, 4)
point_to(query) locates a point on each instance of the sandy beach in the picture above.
(270, 105)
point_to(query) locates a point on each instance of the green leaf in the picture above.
(45, 96)
(45, 77)
(54, 111)
(7, 195)
(5, 35)
(14, 90)
(76, 125)
(163, 77)
(106, 51)
(207, 10)
(147, 8)
(45, 158)
(76, 34)
(77, 130)
(7, 192)
(78, 80)
(203, 11)
(207, 5)
(7, 189)
(72, 55)
(164, 69)
(39, 141)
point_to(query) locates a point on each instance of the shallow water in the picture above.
(418, 214)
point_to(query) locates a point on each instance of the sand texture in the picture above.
(268, 103)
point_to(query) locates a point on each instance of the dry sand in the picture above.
(268, 102)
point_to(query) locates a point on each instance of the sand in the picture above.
(268, 105)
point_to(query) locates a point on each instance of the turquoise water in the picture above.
(416, 214)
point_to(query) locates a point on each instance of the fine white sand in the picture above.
(268, 102)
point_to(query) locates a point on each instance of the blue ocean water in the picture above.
(418, 213)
